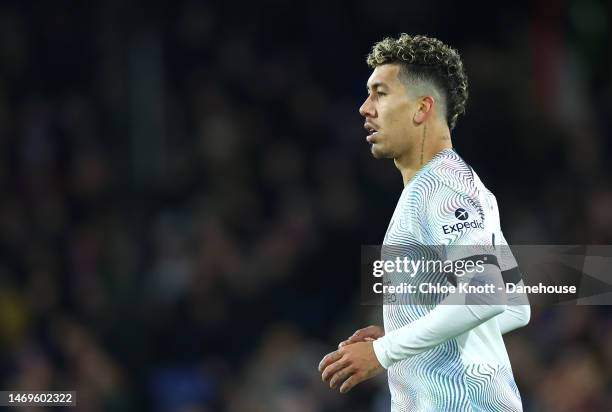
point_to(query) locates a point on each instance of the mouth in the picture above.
(372, 133)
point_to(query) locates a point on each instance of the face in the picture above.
(388, 113)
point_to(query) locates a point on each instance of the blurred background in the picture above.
(184, 190)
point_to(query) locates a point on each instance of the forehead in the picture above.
(385, 75)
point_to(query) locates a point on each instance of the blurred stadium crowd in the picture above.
(185, 189)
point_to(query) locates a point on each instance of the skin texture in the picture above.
(367, 334)
(349, 365)
(410, 130)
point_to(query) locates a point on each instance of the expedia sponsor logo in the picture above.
(458, 227)
(461, 214)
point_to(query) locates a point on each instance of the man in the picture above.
(449, 356)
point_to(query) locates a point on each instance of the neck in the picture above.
(433, 138)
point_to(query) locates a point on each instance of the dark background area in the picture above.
(185, 189)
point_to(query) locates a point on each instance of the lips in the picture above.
(372, 132)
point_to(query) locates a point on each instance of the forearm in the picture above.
(455, 315)
(444, 322)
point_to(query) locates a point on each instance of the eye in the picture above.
(382, 94)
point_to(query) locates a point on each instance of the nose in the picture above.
(367, 108)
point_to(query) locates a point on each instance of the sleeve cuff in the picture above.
(381, 352)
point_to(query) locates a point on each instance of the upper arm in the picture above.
(457, 225)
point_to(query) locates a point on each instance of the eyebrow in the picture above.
(376, 85)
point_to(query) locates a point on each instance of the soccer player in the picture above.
(442, 357)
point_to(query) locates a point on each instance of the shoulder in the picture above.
(445, 197)
(448, 170)
(448, 178)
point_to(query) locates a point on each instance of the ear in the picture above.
(425, 106)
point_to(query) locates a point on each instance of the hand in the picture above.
(350, 365)
(366, 334)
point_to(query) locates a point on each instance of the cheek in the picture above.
(399, 117)
(394, 119)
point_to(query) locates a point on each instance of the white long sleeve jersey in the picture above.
(443, 357)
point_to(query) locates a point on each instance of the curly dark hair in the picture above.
(427, 59)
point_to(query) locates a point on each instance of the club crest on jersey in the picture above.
(462, 215)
